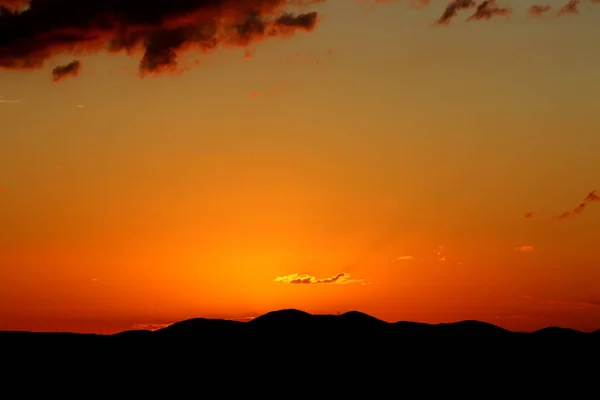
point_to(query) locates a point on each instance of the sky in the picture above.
(156, 165)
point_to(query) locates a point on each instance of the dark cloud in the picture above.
(14, 5)
(537, 10)
(65, 71)
(488, 9)
(452, 10)
(591, 197)
(572, 7)
(160, 30)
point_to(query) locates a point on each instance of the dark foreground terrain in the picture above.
(284, 325)
(295, 342)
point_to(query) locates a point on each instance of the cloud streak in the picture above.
(342, 278)
(590, 198)
(149, 327)
(63, 72)
(537, 10)
(572, 7)
(525, 249)
(489, 9)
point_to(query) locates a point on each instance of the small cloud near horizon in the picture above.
(342, 278)
(149, 327)
(405, 258)
(593, 302)
(241, 319)
(525, 249)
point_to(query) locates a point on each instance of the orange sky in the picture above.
(398, 156)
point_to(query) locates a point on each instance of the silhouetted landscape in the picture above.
(292, 342)
(299, 325)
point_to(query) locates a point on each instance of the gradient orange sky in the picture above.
(394, 155)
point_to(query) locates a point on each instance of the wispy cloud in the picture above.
(524, 249)
(405, 258)
(342, 278)
(439, 252)
(240, 319)
(149, 327)
(9, 101)
(589, 302)
(538, 10)
(576, 303)
(488, 9)
(590, 198)
(572, 7)
(63, 72)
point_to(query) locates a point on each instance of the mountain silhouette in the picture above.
(291, 324)
(201, 327)
(554, 331)
(291, 343)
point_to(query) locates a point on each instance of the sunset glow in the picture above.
(413, 160)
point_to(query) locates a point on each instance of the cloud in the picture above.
(525, 249)
(537, 10)
(439, 253)
(159, 31)
(572, 7)
(488, 9)
(240, 319)
(590, 198)
(452, 10)
(9, 101)
(593, 302)
(405, 258)
(63, 72)
(576, 303)
(149, 327)
(15, 5)
(342, 278)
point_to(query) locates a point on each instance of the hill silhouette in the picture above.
(291, 340)
(293, 324)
